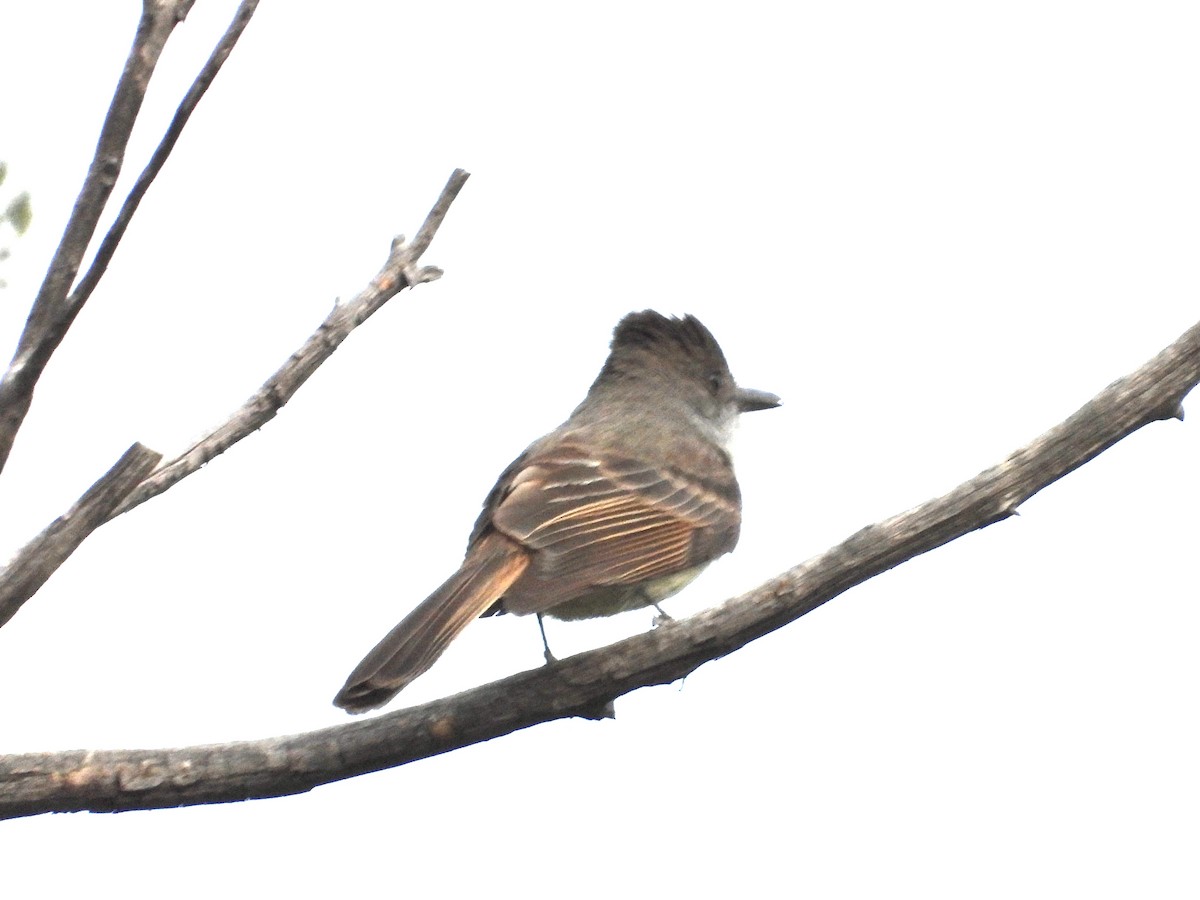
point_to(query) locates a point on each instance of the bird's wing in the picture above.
(598, 519)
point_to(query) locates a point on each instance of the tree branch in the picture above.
(38, 560)
(116, 231)
(400, 271)
(52, 315)
(586, 684)
(53, 310)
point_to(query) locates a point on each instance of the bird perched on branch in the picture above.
(616, 509)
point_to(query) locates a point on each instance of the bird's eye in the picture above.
(714, 382)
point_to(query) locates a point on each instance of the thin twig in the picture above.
(116, 231)
(433, 221)
(580, 685)
(401, 270)
(36, 561)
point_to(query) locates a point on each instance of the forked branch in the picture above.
(38, 560)
(34, 563)
(56, 306)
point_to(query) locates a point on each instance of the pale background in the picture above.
(935, 229)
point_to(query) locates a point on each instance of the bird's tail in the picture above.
(423, 635)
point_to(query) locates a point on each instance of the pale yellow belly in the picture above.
(608, 601)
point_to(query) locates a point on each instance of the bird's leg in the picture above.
(662, 618)
(545, 643)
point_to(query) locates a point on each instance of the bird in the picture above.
(618, 508)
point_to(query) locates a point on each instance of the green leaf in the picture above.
(20, 212)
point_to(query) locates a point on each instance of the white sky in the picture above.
(935, 229)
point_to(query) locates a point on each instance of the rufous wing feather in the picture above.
(596, 521)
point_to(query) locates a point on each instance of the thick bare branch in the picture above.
(37, 560)
(401, 270)
(52, 312)
(585, 685)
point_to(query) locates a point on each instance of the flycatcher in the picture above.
(619, 507)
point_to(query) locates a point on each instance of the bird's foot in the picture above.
(550, 658)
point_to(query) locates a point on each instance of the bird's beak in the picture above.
(748, 400)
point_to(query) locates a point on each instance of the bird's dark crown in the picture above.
(664, 337)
